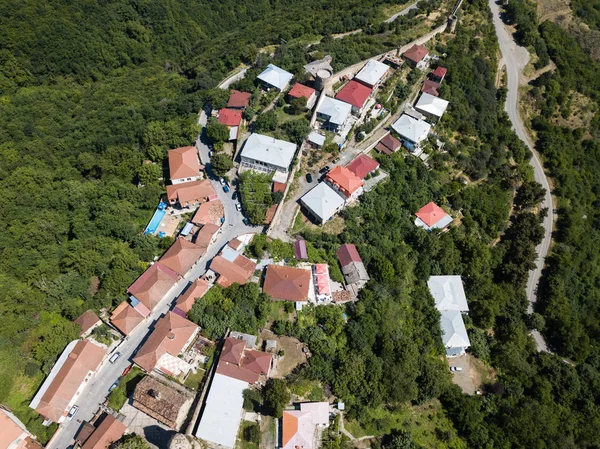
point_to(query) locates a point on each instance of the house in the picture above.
(207, 235)
(232, 118)
(14, 434)
(448, 293)
(210, 212)
(126, 318)
(274, 77)
(322, 202)
(363, 165)
(333, 113)
(393, 61)
(431, 88)
(182, 255)
(353, 268)
(232, 267)
(184, 165)
(172, 335)
(302, 91)
(153, 284)
(388, 145)
(412, 132)
(287, 283)
(236, 244)
(355, 94)
(322, 284)
(106, 430)
(316, 140)
(238, 368)
(195, 290)
(239, 100)
(415, 56)
(300, 250)
(372, 74)
(60, 391)
(431, 106)
(300, 428)
(431, 216)
(190, 194)
(438, 74)
(88, 321)
(345, 182)
(267, 154)
(454, 334)
(162, 402)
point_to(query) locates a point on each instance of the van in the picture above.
(114, 357)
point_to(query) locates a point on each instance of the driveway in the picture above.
(515, 58)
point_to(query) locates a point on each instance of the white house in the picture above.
(322, 202)
(275, 77)
(412, 131)
(267, 154)
(372, 74)
(454, 333)
(333, 113)
(431, 106)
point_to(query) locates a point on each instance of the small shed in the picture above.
(271, 346)
(316, 140)
(300, 249)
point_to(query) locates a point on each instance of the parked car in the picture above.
(238, 207)
(246, 221)
(325, 169)
(113, 386)
(126, 370)
(225, 188)
(223, 182)
(72, 412)
(114, 357)
(309, 178)
(210, 154)
(455, 368)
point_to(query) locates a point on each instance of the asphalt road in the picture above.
(96, 391)
(404, 12)
(515, 59)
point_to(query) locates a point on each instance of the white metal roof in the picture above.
(317, 138)
(411, 129)
(337, 110)
(372, 72)
(441, 224)
(448, 293)
(220, 421)
(276, 77)
(432, 105)
(269, 150)
(323, 201)
(454, 333)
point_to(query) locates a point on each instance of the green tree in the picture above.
(266, 122)
(221, 163)
(131, 441)
(297, 106)
(297, 130)
(276, 396)
(216, 132)
(149, 173)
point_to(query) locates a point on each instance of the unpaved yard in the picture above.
(473, 373)
(292, 350)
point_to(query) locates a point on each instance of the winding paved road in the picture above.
(515, 59)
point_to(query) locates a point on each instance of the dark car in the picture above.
(246, 221)
(309, 178)
(324, 169)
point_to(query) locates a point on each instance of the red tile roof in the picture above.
(85, 357)
(347, 254)
(431, 213)
(440, 72)
(238, 99)
(279, 186)
(198, 288)
(126, 318)
(416, 53)
(288, 283)
(363, 165)
(431, 88)
(354, 93)
(182, 255)
(242, 363)
(209, 212)
(153, 284)
(389, 143)
(87, 320)
(230, 117)
(183, 163)
(170, 335)
(206, 234)
(344, 179)
(191, 192)
(270, 214)
(300, 90)
(239, 271)
(233, 350)
(109, 431)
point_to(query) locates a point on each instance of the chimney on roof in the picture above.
(154, 393)
(171, 336)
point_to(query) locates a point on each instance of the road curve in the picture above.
(515, 59)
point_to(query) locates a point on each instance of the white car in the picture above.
(222, 181)
(210, 153)
(72, 412)
(455, 368)
(238, 207)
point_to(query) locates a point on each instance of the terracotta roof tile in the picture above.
(390, 142)
(239, 271)
(362, 166)
(182, 255)
(430, 87)
(109, 431)
(416, 53)
(440, 72)
(355, 94)
(431, 213)
(347, 253)
(191, 192)
(87, 320)
(238, 99)
(206, 234)
(183, 163)
(153, 284)
(126, 318)
(209, 212)
(300, 90)
(287, 283)
(230, 117)
(186, 301)
(163, 401)
(343, 178)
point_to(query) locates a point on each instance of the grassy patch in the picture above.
(249, 436)
(118, 397)
(194, 380)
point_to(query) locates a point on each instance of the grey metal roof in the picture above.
(323, 201)
(448, 293)
(336, 110)
(276, 77)
(411, 129)
(454, 333)
(372, 72)
(432, 105)
(269, 150)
